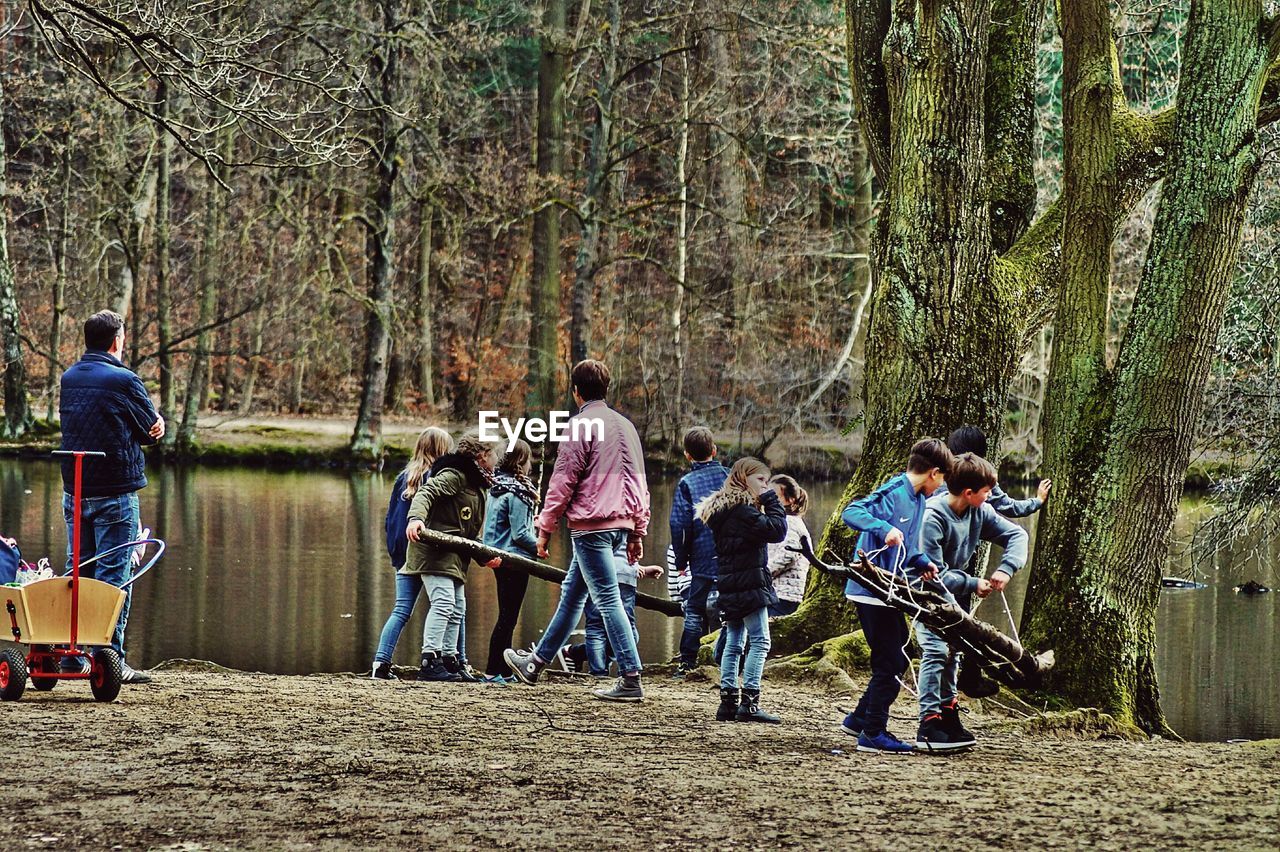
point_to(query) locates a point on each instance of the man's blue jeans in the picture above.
(592, 572)
(105, 522)
(736, 632)
(938, 667)
(599, 651)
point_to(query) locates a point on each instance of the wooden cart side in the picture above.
(48, 611)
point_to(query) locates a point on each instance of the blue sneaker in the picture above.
(851, 726)
(885, 743)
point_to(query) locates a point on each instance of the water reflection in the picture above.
(287, 573)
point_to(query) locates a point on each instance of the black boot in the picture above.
(749, 710)
(454, 666)
(728, 705)
(433, 669)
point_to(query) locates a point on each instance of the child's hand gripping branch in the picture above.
(1042, 491)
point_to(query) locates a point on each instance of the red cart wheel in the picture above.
(13, 674)
(104, 680)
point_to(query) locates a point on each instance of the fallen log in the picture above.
(1000, 658)
(482, 553)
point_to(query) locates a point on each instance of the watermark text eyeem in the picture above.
(558, 428)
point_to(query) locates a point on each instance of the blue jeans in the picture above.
(106, 522)
(697, 621)
(885, 630)
(407, 588)
(938, 665)
(599, 651)
(736, 632)
(448, 610)
(592, 572)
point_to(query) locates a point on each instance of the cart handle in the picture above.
(145, 568)
(94, 454)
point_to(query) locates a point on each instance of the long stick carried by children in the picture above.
(512, 562)
(1001, 658)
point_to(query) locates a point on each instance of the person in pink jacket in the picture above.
(598, 487)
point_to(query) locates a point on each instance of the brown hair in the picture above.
(970, 473)
(100, 330)
(735, 489)
(591, 378)
(433, 442)
(928, 453)
(699, 443)
(796, 496)
(471, 445)
(514, 459)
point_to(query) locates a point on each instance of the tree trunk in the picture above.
(1106, 613)
(255, 351)
(366, 439)
(208, 277)
(596, 195)
(17, 413)
(59, 284)
(682, 244)
(426, 309)
(163, 305)
(544, 292)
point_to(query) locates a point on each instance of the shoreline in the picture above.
(297, 443)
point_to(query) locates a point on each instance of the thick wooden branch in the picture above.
(1000, 657)
(511, 562)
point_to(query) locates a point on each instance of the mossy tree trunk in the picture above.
(366, 438)
(544, 284)
(1096, 601)
(961, 283)
(17, 412)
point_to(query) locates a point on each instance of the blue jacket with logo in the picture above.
(894, 504)
(105, 408)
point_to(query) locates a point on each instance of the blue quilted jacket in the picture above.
(105, 408)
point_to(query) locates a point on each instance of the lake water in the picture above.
(286, 572)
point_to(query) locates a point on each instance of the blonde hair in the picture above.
(735, 488)
(797, 496)
(433, 442)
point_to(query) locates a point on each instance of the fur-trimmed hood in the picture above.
(718, 501)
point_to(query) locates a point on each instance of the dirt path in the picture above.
(227, 760)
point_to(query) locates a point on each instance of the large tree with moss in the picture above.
(964, 277)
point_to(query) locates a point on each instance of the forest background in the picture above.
(389, 221)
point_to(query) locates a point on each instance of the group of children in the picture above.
(734, 554)
(925, 525)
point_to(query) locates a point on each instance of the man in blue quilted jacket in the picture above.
(105, 408)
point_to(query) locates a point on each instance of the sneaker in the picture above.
(75, 665)
(497, 680)
(433, 669)
(681, 671)
(523, 663)
(455, 666)
(575, 657)
(952, 724)
(933, 736)
(624, 689)
(883, 743)
(382, 671)
(851, 726)
(128, 674)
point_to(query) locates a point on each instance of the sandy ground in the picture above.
(216, 760)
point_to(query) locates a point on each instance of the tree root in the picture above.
(828, 664)
(1086, 723)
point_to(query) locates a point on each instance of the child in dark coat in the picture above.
(744, 517)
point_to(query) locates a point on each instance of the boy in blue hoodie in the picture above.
(955, 523)
(890, 519)
(695, 549)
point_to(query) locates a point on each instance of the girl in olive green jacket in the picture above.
(452, 501)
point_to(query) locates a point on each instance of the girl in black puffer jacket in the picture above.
(744, 516)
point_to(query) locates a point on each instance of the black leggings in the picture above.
(511, 588)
